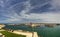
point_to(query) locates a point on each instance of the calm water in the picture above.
(42, 31)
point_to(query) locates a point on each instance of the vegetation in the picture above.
(8, 34)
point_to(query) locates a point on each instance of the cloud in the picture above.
(45, 17)
(55, 4)
(13, 16)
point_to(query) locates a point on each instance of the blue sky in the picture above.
(22, 11)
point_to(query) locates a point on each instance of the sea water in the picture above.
(42, 31)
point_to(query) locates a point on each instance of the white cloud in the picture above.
(51, 17)
(27, 7)
(47, 17)
(55, 4)
(13, 16)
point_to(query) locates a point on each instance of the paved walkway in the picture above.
(28, 34)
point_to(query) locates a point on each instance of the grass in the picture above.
(8, 34)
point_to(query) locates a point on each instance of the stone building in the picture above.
(42, 24)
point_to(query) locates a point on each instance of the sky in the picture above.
(23, 11)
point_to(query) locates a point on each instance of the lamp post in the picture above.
(32, 32)
(32, 29)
